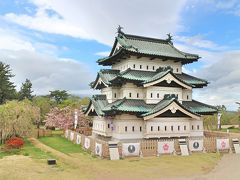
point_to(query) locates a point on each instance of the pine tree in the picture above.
(26, 90)
(7, 88)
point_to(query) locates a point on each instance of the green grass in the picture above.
(27, 150)
(231, 130)
(61, 144)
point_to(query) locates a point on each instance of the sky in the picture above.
(55, 43)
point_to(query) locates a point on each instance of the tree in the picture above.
(59, 96)
(44, 105)
(7, 88)
(17, 118)
(60, 118)
(26, 90)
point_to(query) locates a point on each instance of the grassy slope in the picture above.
(61, 144)
(27, 150)
(146, 167)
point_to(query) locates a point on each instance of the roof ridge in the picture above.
(142, 38)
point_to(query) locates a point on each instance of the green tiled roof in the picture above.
(145, 46)
(199, 107)
(192, 80)
(140, 108)
(128, 105)
(115, 77)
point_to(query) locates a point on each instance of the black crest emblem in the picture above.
(131, 148)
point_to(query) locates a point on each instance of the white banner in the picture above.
(87, 143)
(98, 149)
(78, 139)
(66, 133)
(165, 147)
(71, 135)
(223, 144)
(196, 145)
(131, 149)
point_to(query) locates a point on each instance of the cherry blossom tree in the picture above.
(59, 118)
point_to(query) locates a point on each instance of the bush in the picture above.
(14, 143)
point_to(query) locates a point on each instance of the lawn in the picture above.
(27, 150)
(61, 144)
(81, 165)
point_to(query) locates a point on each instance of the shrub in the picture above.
(14, 143)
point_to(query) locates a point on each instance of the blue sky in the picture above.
(56, 43)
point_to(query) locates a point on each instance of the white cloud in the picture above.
(223, 76)
(103, 54)
(47, 72)
(199, 42)
(10, 40)
(97, 20)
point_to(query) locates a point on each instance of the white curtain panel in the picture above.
(131, 149)
(165, 147)
(196, 145)
(71, 135)
(98, 149)
(87, 143)
(66, 133)
(223, 144)
(78, 139)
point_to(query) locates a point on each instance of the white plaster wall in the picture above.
(146, 62)
(186, 95)
(196, 128)
(101, 127)
(133, 89)
(175, 122)
(145, 93)
(116, 128)
(129, 121)
(155, 90)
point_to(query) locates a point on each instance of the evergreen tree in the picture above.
(59, 96)
(7, 88)
(26, 90)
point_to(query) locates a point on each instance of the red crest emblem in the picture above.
(165, 147)
(223, 144)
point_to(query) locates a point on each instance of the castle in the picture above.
(145, 94)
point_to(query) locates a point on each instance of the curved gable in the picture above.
(172, 105)
(167, 76)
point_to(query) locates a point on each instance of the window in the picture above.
(151, 128)
(151, 95)
(140, 128)
(198, 127)
(125, 128)
(133, 128)
(108, 125)
(134, 66)
(185, 128)
(140, 66)
(153, 68)
(178, 128)
(171, 128)
(147, 67)
(192, 127)
(177, 69)
(137, 95)
(115, 95)
(165, 128)
(158, 128)
(187, 97)
(157, 95)
(130, 94)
